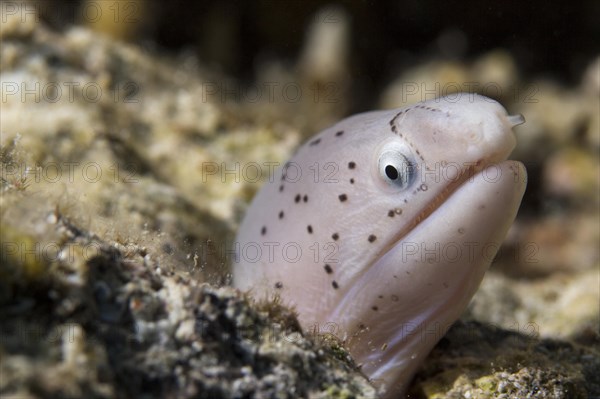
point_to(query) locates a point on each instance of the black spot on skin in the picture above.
(380, 296)
(334, 284)
(279, 285)
(281, 188)
(372, 238)
(391, 213)
(309, 228)
(263, 231)
(343, 197)
(351, 165)
(351, 181)
(297, 199)
(315, 142)
(338, 134)
(335, 236)
(461, 230)
(375, 308)
(305, 199)
(328, 269)
(280, 214)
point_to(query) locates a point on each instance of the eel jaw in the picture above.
(434, 294)
(469, 173)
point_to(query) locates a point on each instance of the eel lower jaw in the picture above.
(474, 215)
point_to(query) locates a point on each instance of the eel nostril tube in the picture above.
(516, 120)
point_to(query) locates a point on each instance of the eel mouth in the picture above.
(467, 174)
(462, 178)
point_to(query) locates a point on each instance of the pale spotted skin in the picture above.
(397, 215)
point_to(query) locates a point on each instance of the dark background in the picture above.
(553, 39)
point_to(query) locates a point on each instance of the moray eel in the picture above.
(380, 228)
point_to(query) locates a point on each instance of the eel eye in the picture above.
(396, 169)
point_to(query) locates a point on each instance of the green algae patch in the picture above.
(22, 256)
